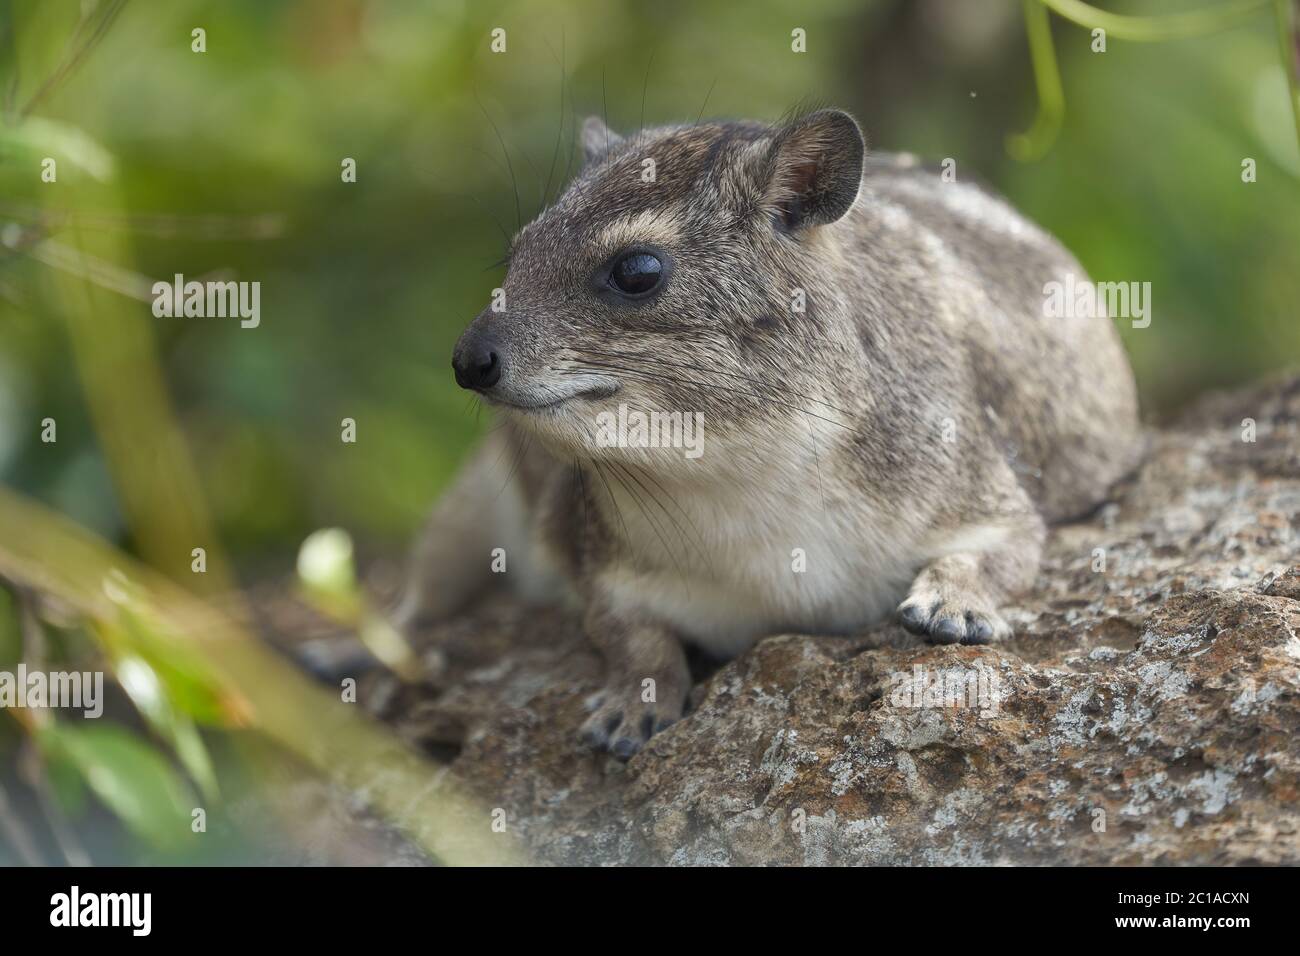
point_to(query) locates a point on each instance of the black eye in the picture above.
(636, 273)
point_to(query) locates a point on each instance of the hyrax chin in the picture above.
(755, 381)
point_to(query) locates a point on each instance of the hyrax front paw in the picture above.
(624, 717)
(952, 618)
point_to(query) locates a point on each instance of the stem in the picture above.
(1035, 143)
(1286, 32)
(32, 761)
(45, 552)
(34, 771)
(1171, 26)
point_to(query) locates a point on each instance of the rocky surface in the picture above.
(1146, 711)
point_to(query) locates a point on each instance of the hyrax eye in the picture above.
(636, 273)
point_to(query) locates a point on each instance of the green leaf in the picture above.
(36, 138)
(193, 753)
(130, 777)
(67, 783)
(147, 691)
(190, 685)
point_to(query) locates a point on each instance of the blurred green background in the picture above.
(366, 285)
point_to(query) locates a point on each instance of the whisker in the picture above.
(600, 473)
(746, 378)
(678, 380)
(699, 541)
(519, 457)
(582, 492)
(645, 84)
(681, 534)
(505, 236)
(700, 115)
(821, 486)
(604, 103)
(618, 470)
(652, 375)
(555, 152)
(573, 144)
(514, 183)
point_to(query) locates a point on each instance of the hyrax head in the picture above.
(685, 270)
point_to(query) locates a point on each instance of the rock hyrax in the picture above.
(867, 409)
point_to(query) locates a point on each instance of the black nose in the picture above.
(477, 365)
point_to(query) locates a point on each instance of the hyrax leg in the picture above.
(956, 597)
(450, 562)
(448, 565)
(646, 682)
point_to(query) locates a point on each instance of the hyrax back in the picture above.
(888, 413)
(1056, 395)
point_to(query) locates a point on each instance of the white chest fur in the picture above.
(737, 565)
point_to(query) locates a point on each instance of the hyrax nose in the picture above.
(477, 364)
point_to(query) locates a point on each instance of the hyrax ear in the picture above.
(597, 138)
(814, 169)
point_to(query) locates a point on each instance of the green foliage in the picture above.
(128, 775)
(170, 681)
(169, 687)
(151, 698)
(10, 638)
(31, 140)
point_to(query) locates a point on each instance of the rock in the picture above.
(1147, 709)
